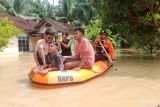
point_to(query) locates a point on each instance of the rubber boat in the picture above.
(69, 76)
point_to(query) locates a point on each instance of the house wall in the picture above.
(12, 47)
(42, 29)
(54, 28)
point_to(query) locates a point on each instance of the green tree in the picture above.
(15, 7)
(7, 7)
(92, 32)
(2, 7)
(84, 12)
(137, 20)
(63, 11)
(42, 9)
(7, 31)
(75, 12)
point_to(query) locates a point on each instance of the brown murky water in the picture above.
(136, 83)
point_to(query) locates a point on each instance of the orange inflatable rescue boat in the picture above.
(69, 76)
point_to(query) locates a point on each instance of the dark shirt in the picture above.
(66, 51)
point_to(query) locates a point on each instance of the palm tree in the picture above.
(84, 12)
(6, 7)
(2, 7)
(75, 12)
(63, 12)
(42, 9)
(15, 7)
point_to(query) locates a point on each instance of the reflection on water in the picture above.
(136, 83)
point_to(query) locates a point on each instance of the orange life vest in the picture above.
(107, 45)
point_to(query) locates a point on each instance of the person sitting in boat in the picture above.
(54, 58)
(83, 54)
(65, 45)
(41, 50)
(107, 44)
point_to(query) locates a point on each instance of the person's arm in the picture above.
(35, 54)
(96, 42)
(74, 57)
(70, 57)
(43, 54)
(40, 49)
(59, 48)
(111, 51)
(67, 45)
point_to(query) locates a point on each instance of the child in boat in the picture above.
(54, 58)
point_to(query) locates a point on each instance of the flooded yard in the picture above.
(136, 83)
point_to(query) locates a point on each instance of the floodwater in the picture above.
(136, 83)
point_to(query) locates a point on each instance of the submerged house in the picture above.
(33, 31)
(20, 43)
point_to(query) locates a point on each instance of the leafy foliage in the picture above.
(42, 9)
(75, 12)
(136, 20)
(14, 7)
(92, 32)
(7, 31)
(34, 8)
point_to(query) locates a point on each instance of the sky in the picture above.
(55, 2)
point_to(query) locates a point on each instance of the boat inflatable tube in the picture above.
(69, 76)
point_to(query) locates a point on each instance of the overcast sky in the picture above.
(55, 2)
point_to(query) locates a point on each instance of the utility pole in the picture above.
(53, 2)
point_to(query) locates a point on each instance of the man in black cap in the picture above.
(107, 44)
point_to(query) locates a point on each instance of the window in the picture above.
(23, 43)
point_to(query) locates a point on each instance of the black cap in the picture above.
(103, 32)
(65, 33)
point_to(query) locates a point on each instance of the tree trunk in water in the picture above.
(151, 50)
(154, 20)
